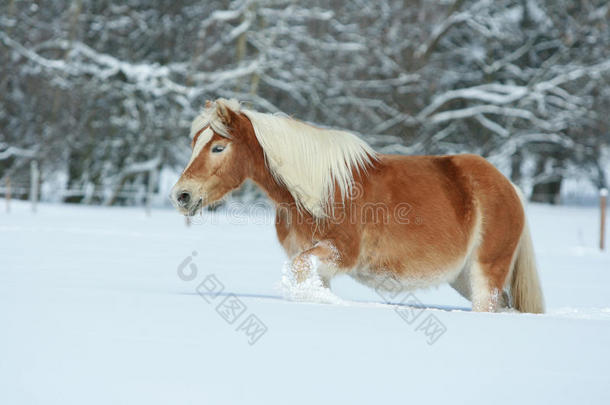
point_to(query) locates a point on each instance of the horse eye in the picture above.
(217, 148)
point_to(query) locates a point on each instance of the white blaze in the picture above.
(203, 140)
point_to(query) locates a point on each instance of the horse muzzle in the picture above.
(186, 201)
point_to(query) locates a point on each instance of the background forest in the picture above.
(100, 94)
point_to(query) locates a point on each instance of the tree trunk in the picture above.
(548, 188)
(515, 168)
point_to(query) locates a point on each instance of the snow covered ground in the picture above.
(101, 306)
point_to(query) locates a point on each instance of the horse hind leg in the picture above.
(483, 299)
(461, 284)
(492, 264)
(487, 284)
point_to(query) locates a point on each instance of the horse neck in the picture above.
(265, 180)
(259, 171)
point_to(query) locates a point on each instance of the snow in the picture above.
(93, 311)
(308, 289)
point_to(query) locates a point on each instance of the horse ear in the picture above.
(208, 104)
(225, 114)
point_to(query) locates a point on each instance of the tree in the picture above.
(102, 93)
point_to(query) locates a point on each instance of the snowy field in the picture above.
(97, 307)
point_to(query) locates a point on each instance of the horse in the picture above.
(343, 208)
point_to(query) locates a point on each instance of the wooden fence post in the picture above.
(34, 177)
(603, 201)
(150, 189)
(7, 195)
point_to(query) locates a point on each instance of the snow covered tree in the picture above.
(101, 93)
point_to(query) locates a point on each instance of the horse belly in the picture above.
(407, 279)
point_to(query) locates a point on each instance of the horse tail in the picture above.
(525, 288)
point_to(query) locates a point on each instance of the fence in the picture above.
(31, 190)
(603, 203)
(10, 190)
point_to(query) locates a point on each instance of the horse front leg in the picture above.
(321, 260)
(307, 276)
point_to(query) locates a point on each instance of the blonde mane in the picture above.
(212, 116)
(311, 162)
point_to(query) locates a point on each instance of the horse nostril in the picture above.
(183, 198)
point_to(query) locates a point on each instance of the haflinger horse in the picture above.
(342, 208)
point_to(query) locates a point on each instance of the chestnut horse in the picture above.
(342, 208)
